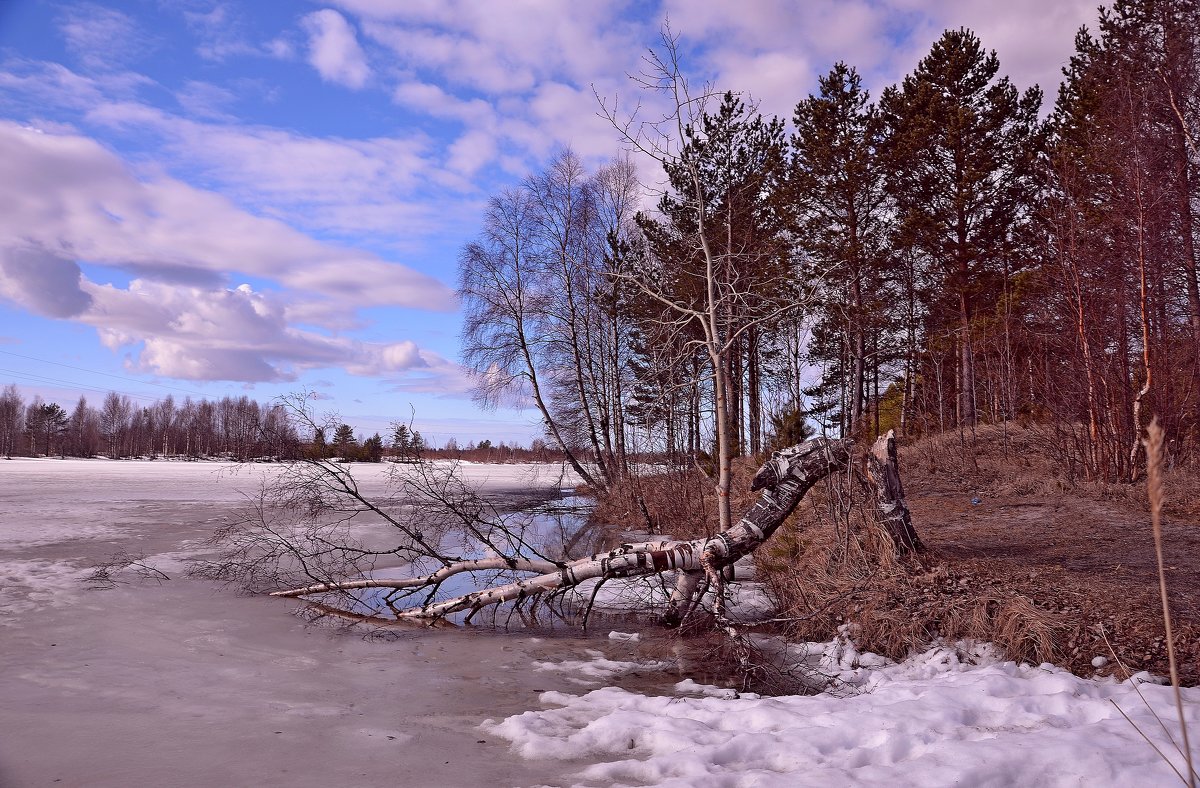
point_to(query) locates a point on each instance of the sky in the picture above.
(207, 198)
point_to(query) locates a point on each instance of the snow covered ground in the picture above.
(949, 716)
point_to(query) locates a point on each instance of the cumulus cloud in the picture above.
(333, 49)
(749, 46)
(64, 198)
(394, 188)
(385, 185)
(66, 192)
(521, 75)
(231, 334)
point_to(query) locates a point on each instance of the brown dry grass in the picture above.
(1050, 567)
(679, 502)
(834, 564)
(1011, 459)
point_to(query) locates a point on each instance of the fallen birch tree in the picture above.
(507, 565)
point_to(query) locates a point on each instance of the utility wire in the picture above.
(105, 374)
(42, 379)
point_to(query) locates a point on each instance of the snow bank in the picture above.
(943, 717)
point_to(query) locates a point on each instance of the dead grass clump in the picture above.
(673, 502)
(1026, 632)
(833, 564)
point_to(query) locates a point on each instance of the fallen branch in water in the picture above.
(784, 480)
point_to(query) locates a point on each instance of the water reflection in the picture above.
(531, 526)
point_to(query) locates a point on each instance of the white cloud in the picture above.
(333, 49)
(232, 334)
(386, 186)
(102, 38)
(760, 47)
(44, 85)
(510, 46)
(205, 100)
(397, 189)
(64, 198)
(1029, 51)
(45, 282)
(280, 48)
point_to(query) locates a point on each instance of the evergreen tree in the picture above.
(320, 449)
(1123, 188)
(416, 445)
(372, 449)
(345, 445)
(407, 444)
(843, 220)
(720, 264)
(401, 440)
(961, 152)
(46, 422)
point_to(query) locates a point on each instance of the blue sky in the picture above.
(209, 198)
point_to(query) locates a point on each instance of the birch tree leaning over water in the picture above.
(299, 540)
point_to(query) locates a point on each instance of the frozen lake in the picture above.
(187, 683)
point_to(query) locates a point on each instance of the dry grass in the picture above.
(834, 564)
(680, 502)
(831, 564)
(1157, 497)
(1034, 460)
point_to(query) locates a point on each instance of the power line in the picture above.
(105, 374)
(47, 381)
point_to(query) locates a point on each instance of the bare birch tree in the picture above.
(718, 303)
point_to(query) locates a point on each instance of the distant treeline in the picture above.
(236, 428)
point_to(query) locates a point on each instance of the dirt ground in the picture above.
(1086, 562)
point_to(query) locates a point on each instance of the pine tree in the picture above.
(320, 449)
(842, 216)
(961, 153)
(372, 449)
(344, 443)
(401, 439)
(719, 270)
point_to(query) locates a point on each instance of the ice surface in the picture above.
(189, 684)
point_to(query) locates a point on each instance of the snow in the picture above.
(952, 715)
(186, 683)
(598, 668)
(33, 584)
(629, 637)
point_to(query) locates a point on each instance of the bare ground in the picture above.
(1084, 555)
(1050, 567)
